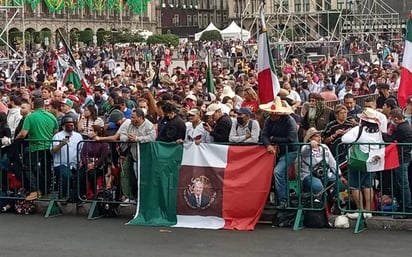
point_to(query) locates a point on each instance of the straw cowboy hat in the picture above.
(228, 91)
(369, 115)
(310, 133)
(278, 106)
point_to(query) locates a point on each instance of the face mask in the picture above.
(203, 81)
(144, 111)
(240, 120)
(191, 81)
(69, 129)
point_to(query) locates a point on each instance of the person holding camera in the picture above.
(318, 164)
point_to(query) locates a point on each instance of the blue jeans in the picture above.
(401, 179)
(63, 174)
(315, 185)
(281, 174)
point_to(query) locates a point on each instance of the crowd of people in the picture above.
(145, 99)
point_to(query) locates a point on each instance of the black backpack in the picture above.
(284, 218)
(315, 218)
(108, 206)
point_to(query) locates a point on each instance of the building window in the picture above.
(306, 5)
(205, 21)
(340, 4)
(175, 20)
(219, 19)
(298, 7)
(194, 20)
(189, 20)
(285, 5)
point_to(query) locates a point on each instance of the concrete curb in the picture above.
(376, 223)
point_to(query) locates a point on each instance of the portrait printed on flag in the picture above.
(200, 191)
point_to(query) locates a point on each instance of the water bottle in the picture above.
(394, 205)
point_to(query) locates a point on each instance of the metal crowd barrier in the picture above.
(27, 166)
(299, 200)
(390, 188)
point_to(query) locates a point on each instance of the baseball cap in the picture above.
(244, 110)
(193, 112)
(115, 116)
(211, 109)
(68, 102)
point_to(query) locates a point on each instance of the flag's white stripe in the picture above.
(212, 155)
(209, 222)
(372, 164)
(263, 58)
(407, 56)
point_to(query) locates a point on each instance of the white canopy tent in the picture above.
(233, 31)
(210, 27)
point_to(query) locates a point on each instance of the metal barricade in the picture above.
(28, 167)
(301, 200)
(384, 192)
(102, 178)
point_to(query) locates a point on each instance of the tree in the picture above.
(167, 39)
(212, 35)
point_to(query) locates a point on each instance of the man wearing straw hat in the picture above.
(280, 129)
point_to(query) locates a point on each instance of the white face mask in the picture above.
(144, 111)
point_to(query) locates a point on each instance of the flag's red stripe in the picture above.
(391, 157)
(405, 87)
(265, 86)
(246, 184)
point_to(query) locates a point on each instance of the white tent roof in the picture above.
(233, 32)
(210, 27)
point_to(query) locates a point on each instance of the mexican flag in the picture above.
(385, 158)
(269, 85)
(202, 186)
(405, 87)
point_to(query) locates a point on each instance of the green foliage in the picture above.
(85, 36)
(16, 38)
(126, 37)
(167, 39)
(212, 35)
(38, 36)
(104, 37)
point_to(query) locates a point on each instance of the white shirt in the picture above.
(367, 138)
(193, 132)
(343, 92)
(61, 157)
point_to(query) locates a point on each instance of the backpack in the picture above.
(315, 218)
(105, 196)
(284, 218)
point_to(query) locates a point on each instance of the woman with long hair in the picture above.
(250, 99)
(87, 120)
(93, 161)
(151, 104)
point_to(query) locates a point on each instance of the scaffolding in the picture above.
(372, 19)
(12, 57)
(322, 27)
